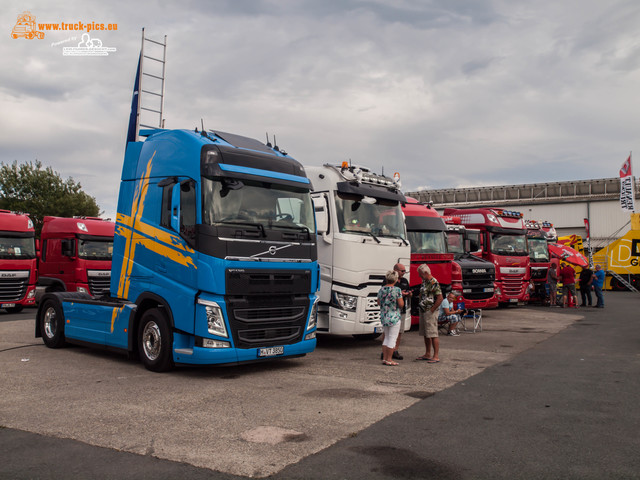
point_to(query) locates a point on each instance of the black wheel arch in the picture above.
(146, 301)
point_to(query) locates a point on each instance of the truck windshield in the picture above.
(95, 249)
(507, 244)
(17, 247)
(538, 250)
(382, 218)
(427, 242)
(269, 205)
(455, 242)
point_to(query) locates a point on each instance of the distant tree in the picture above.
(38, 191)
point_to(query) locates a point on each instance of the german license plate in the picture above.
(377, 329)
(513, 300)
(270, 351)
(7, 305)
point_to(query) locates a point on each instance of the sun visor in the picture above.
(367, 190)
(419, 224)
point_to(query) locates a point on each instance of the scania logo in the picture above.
(479, 270)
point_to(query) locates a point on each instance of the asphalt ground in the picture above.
(540, 393)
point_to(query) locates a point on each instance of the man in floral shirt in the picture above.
(430, 300)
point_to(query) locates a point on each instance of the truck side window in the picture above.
(188, 211)
(165, 214)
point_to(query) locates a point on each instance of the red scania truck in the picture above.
(18, 272)
(503, 241)
(75, 255)
(426, 234)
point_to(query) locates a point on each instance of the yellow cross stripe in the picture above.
(137, 207)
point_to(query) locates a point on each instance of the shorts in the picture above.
(391, 335)
(428, 324)
(570, 287)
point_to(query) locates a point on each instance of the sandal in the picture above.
(390, 364)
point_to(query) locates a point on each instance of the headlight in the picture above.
(313, 316)
(345, 302)
(31, 294)
(82, 290)
(215, 319)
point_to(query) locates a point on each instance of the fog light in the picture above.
(211, 343)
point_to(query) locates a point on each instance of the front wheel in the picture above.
(155, 341)
(51, 321)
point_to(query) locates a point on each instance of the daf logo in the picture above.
(9, 275)
(272, 250)
(479, 270)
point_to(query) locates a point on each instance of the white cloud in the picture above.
(447, 93)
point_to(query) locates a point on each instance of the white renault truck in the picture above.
(361, 235)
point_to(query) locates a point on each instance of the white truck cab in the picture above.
(361, 235)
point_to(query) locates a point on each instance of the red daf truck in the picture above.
(75, 255)
(472, 278)
(426, 235)
(18, 272)
(503, 241)
(539, 234)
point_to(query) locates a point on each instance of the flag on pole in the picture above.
(626, 187)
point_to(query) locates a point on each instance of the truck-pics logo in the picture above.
(26, 27)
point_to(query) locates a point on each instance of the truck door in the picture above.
(325, 241)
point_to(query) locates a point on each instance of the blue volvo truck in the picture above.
(214, 261)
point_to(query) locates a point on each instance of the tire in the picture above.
(51, 321)
(16, 309)
(617, 286)
(155, 341)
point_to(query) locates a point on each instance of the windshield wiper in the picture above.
(397, 236)
(374, 237)
(294, 227)
(249, 224)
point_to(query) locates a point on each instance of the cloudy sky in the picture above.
(449, 93)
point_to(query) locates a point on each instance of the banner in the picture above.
(626, 187)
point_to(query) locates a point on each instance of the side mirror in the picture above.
(68, 247)
(175, 207)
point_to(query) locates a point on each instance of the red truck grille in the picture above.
(13, 289)
(512, 286)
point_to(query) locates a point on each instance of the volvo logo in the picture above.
(272, 250)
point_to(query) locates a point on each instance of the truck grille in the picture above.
(15, 288)
(539, 273)
(267, 321)
(474, 284)
(372, 311)
(99, 286)
(512, 285)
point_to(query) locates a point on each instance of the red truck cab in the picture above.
(538, 236)
(503, 241)
(75, 255)
(18, 274)
(426, 235)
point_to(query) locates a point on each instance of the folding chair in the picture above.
(473, 316)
